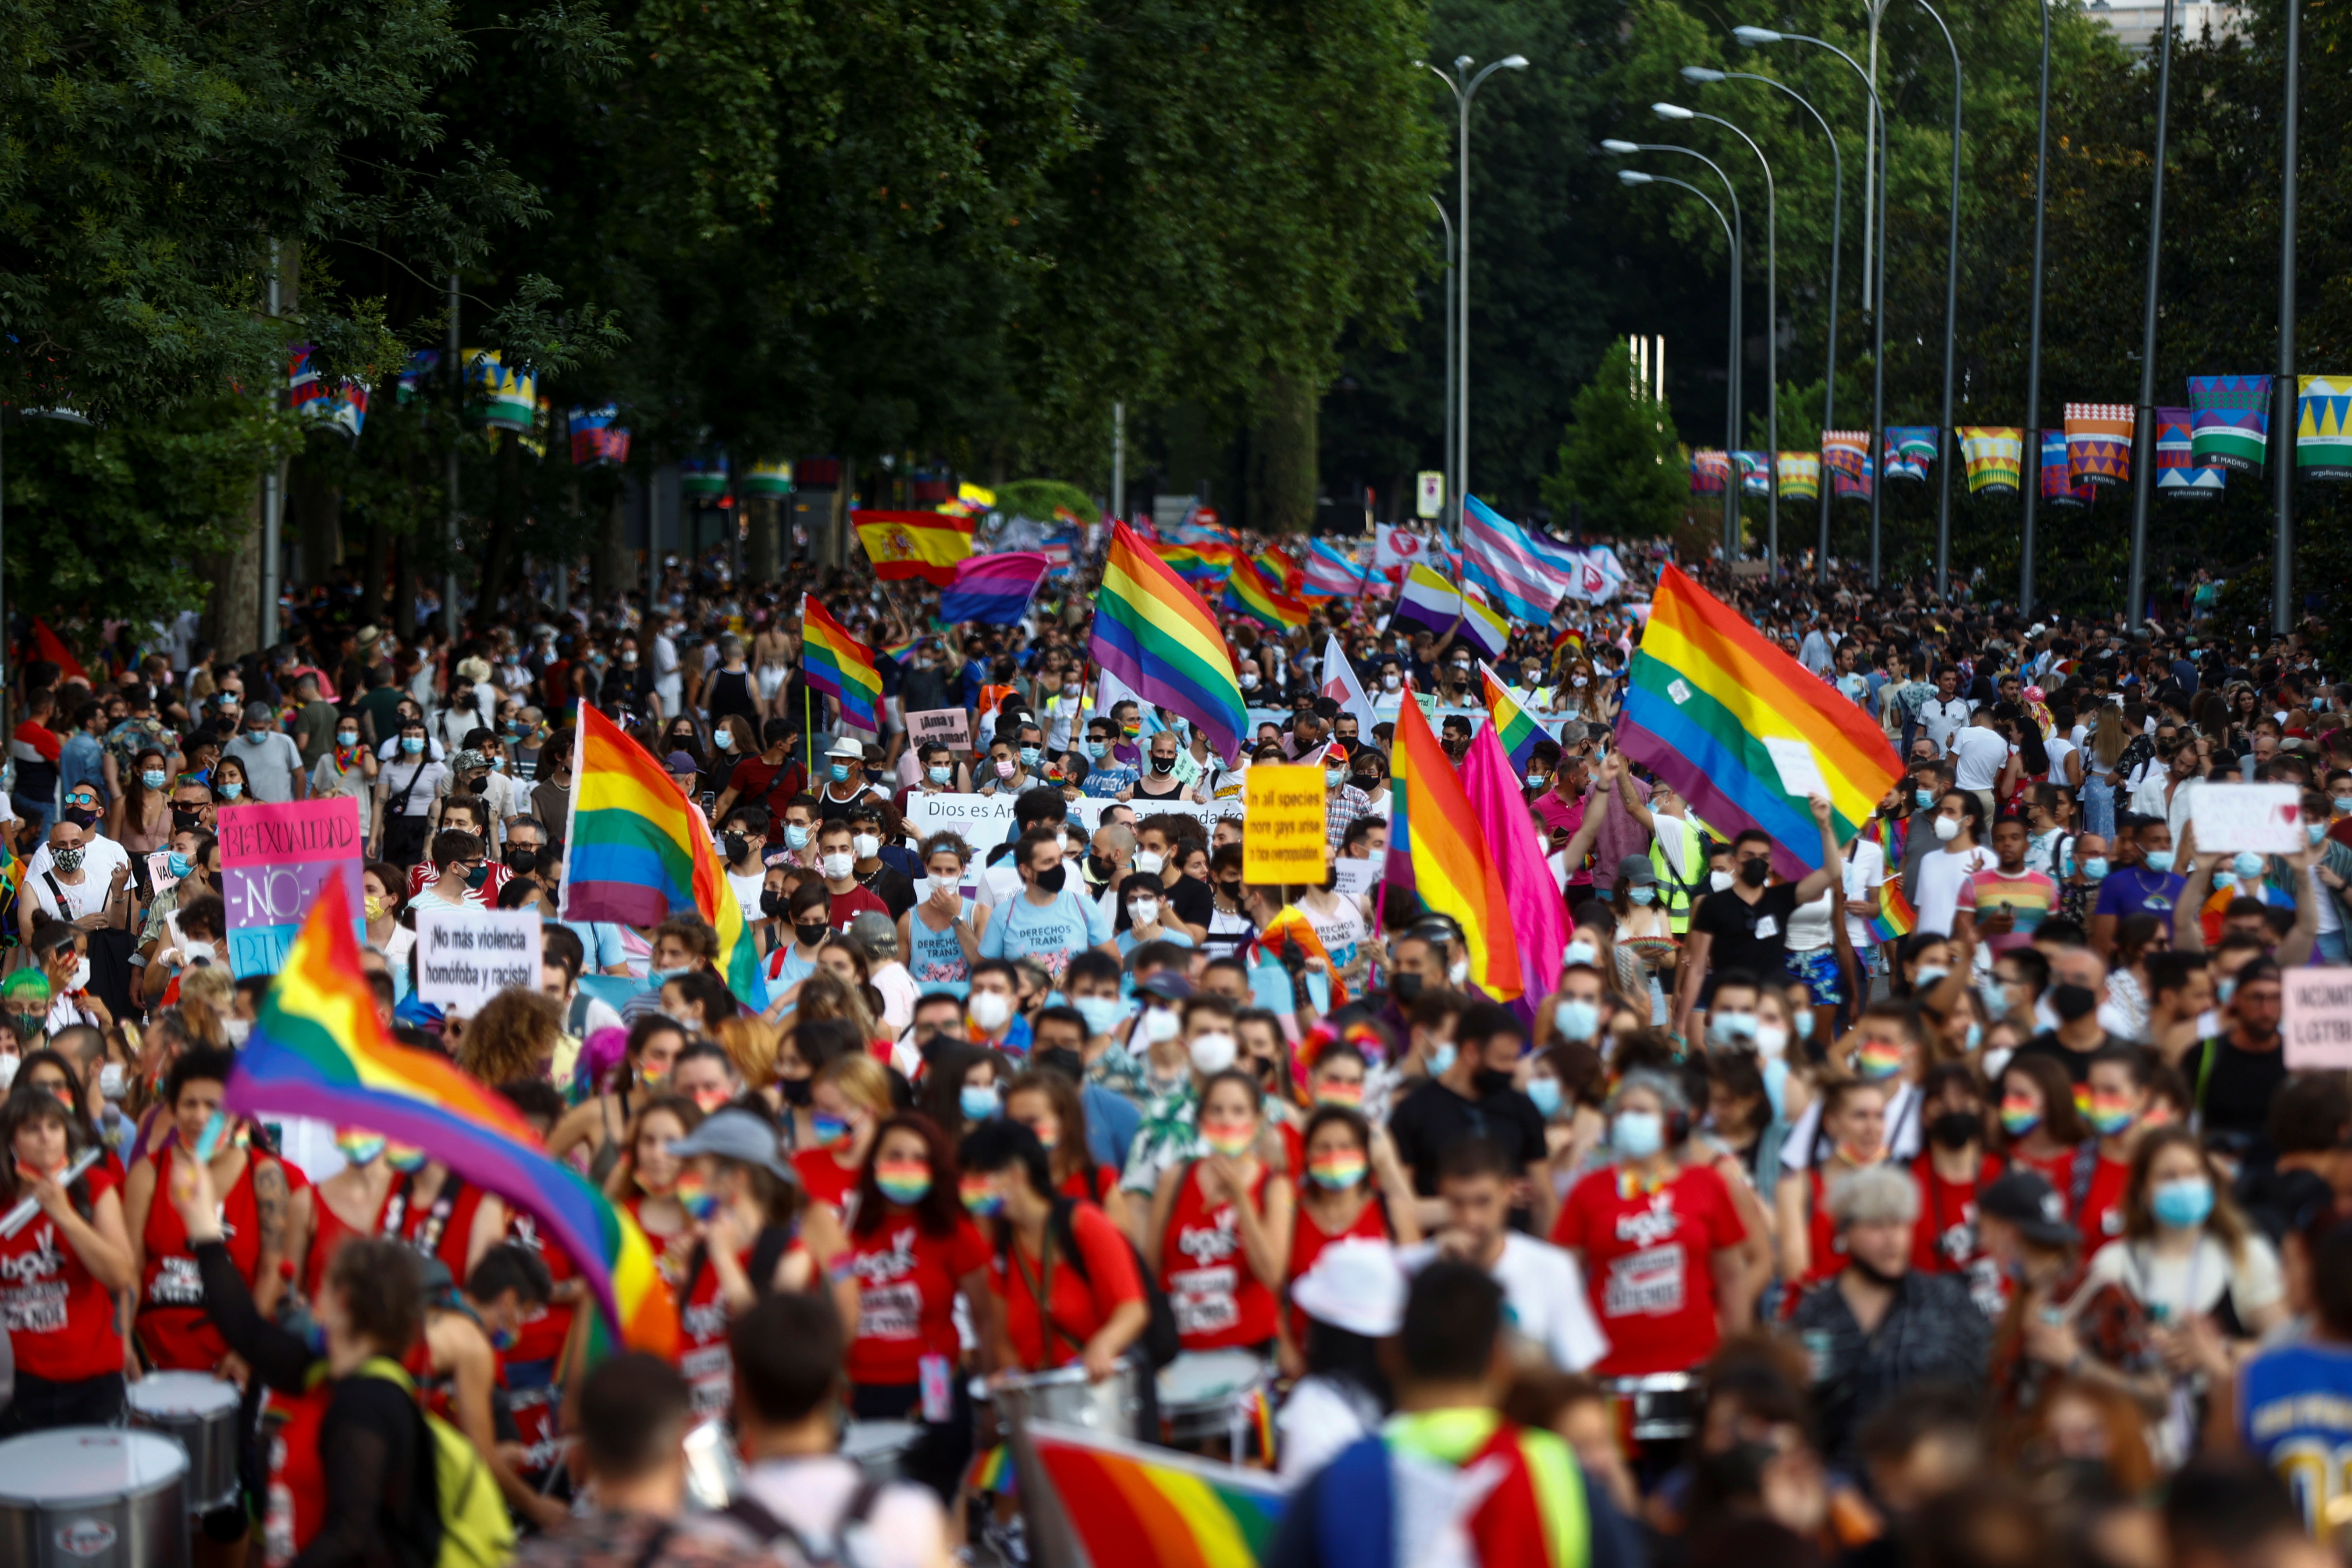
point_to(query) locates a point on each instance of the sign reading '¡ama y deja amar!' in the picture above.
(1284, 808)
(275, 861)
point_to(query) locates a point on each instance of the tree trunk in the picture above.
(1283, 459)
(608, 564)
(315, 516)
(378, 561)
(759, 554)
(232, 618)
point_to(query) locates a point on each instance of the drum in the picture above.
(93, 1496)
(1064, 1394)
(200, 1413)
(879, 1448)
(1663, 1408)
(1204, 1395)
(713, 1468)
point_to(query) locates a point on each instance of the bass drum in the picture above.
(199, 1412)
(93, 1496)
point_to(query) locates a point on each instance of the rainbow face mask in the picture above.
(1336, 1170)
(903, 1180)
(831, 1130)
(1350, 1095)
(2109, 1115)
(359, 1148)
(2019, 1117)
(980, 1197)
(695, 1197)
(1229, 1138)
(1875, 1060)
(403, 1158)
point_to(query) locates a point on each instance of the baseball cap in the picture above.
(680, 763)
(1637, 870)
(737, 1135)
(876, 934)
(1168, 985)
(2025, 1199)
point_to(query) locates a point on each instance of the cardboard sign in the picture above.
(945, 726)
(1357, 878)
(2317, 1019)
(160, 879)
(1282, 839)
(466, 955)
(274, 861)
(2266, 819)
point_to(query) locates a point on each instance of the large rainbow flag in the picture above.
(1261, 597)
(1152, 631)
(638, 851)
(1726, 718)
(1436, 848)
(1154, 1507)
(841, 667)
(1514, 727)
(318, 1050)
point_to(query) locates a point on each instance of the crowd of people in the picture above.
(1775, 1228)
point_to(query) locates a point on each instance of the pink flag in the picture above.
(1539, 917)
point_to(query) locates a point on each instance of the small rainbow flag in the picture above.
(1203, 565)
(903, 651)
(1513, 727)
(1153, 1508)
(1570, 638)
(640, 851)
(841, 667)
(1154, 633)
(317, 1050)
(1898, 919)
(1436, 848)
(1263, 598)
(1279, 568)
(990, 1471)
(1291, 932)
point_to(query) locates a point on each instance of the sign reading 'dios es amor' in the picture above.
(985, 821)
(466, 955)
(275, 861)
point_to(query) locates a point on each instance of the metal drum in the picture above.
(879, 1448)
(200, 1413)
(713, 1468)
(1064, 1394)
(93, 1496)
(1204, 1396)
(1663, 1408)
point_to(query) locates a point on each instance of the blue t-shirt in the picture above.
(2296, 1415)
(2136, 890)
(1052, 935)
(1168, 934)
(1105, 779)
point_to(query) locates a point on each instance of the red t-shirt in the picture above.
(1078, 1307)
(1308, 1240)
(758, 783)
(1076, 1185)
(540, 1334)
(60, 1319)
(1219, 1301)
(2102, 1219)
(2058, 1170)
(172, 1323)
(1944, 1241)
(843, 907)
(1649, 1264)
(422, 875)
(906, 1295)
(825, 1179)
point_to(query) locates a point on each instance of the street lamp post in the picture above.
(1731, 491)
(1946, 444)
(2030, 475)
(1772, 332)
(1837, 203)
(1731, 361)
(1452, 482)
(2284, 420)
(1464, 93)
(2144, 413)
(1873, 287)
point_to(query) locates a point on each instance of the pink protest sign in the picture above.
(274, 861)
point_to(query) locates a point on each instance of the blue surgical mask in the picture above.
(1029, 756)
(1642, 895)
(1545, 1092)
(978, 1102)
(1928, 977)
(2183, 1203)
(1441, 1060)
(1804, 1023)
(1334, 777)
(1538, 780)
(411, 744)
(1637, 1134)
(1102, 1013)
(1923, 798)
(2225, 879)
(153, 778)
(1576, 1019)
(2343, 804)
(2094, 870)
(2248, 865)
(177, 864)
(941, 775)
(1976, 1035)
(839, 773)
(2159, 861)
(1098, 750)
(796, 836)
(2224, 990)
(231, 791)
(1582, 952)
(2315, 831)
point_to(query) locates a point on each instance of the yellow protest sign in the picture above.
(1282, 826)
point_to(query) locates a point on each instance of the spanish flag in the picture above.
(902, 545)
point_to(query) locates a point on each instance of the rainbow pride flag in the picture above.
(1436, 849)
(1898, 919)
(317, 1050)
(640, 851)
(1726, 718)
(1514, 727)
(841, 667)
(1154, 633)
(1203, 565)
(1154, 1507)
(1263, 598)
(1280, 569)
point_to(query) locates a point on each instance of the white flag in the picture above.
(1341, 685)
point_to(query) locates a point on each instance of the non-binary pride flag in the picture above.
(2099, 443)
(1726, 718)
(1709, 469)
(904, 544)
(1436, 848)
(2323, 426)
(318, 1050)
(1910, 450)
(1523, 573)
(2177, 473)
(2059, 488)
(2229, 422)
(638, 851)
(1155, 635)
(1482, 629)
(840, 667)
(1800, 476)
(1755, 473)
(994, 589)
(1429, 600)
(1995, 456)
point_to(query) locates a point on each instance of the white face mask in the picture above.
(1143, 911)
(110, 1081)
(1718, 882)
(835, 867)
(81, 975)
(865, 846)
(8, 1064)
(198, 952)
(1457, 973)
(1948, 828)
(1772, 1040)
(1149, 863)
(989, 1010)
(1159, 1026)
(1212, 1053)
(236, 1029)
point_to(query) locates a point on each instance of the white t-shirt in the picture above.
(1940, 720)
(1809, 925)
(904, 1529)
(1978, 756)
(88, 899)
(99, 857)
(1901, 1129)
(1543, 1296)
(2182, 1286)
(1866, 873)
(748, 886)
(2060, 749)
(1941, 876)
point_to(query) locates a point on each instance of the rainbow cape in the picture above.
(1154, 633)
(1436, 848)
(1263, 598)
(841, 667)
(318, 1050)
(639, 851)
(1291, 932)
(1153, 1508)
(1513, 727)
(1723, 716)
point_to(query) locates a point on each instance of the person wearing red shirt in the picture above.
(848, 1102)
(2041, 1125)
(1221, 1225)
(1047, 1103)
(837, 862)
(2119, 1085)
(770, 780)
(912, 1249)
(1658, 1242)
(439, 1213)
(1854, 1124)
(59, 1273)
(1951, 1170)
(1343, 1155)
(1066, 1256)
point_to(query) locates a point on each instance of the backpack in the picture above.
(1158, 1341)
(770, 1530)
(475, 1531)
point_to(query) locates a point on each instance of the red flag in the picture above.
(47, 645)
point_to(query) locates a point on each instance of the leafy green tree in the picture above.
(1622, 463)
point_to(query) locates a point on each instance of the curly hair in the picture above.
(513, 1037)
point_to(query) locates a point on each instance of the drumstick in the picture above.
(18, 1218)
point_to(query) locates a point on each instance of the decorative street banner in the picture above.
(2229, 421)
(2177, 473)
(1755, 477)
(343, 408)
(274, 861)
(2098, 442)
(1800, 476)
(1851, 487)
(2323, 445)
(1847, 452)
(1910, 450)
(1995, 455)
(1709, 469)
(596, 440)
(703, 476)
(501, 399)
(2056, 489)
(768, 479)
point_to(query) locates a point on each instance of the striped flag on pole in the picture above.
(1524, 574)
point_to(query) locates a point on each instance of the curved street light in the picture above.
(1465, 90)
(1731, 237)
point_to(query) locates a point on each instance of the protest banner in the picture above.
(466, 954)
(2316, 1019)
(943, 726)
(1283, 841)
(275, 859)
(2266, 819)
(985, 821)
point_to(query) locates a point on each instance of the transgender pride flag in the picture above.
(1525, 574)
(1329, 574)
(994, 589)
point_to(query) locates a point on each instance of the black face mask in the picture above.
(1754, 873)
(796, 1090)
(81, 815)
(735, 844)
(2071, 1002)
(522, 862)
(810, 933)
(1487, 1080)
(1163, 764)
(1061, 1059)
(771, 903)
(1369, 782)
(1405, 989)
(183, 819)
(1955, 1129)
(1051, 879)
(1884, 1281)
